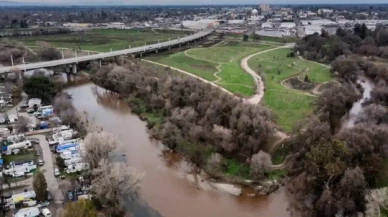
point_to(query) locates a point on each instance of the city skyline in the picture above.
(185, 2)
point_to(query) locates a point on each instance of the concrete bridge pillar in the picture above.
(99, 62)
(156, 51)
(141, 55)
(67, 69)
(169, 47)
(74, 68)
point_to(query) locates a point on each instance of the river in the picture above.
(357, 108)
(165, 190)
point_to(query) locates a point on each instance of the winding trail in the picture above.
(218, 67)
(256, 78)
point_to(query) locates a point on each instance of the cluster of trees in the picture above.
(10, 48)
(198, 119)
(49, 53)
(332, 168)
(325, 48)
(40, 86)
(36, 32)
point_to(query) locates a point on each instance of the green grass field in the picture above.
(104, 39)
(204, 62)
(287, 105)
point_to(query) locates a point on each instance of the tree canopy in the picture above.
(40, 87)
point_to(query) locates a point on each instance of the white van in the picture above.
(46, 212)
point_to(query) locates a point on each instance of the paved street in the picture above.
(48, 170)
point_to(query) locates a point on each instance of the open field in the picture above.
(219, 64)
(103, 40)
(287, 105)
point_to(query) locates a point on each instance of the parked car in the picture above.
(40, 162)
(30, 111)
(46, 212)
(24, 106)
(3, 120)
(49, 196)
(56, 172)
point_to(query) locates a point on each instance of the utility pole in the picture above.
(24, 64)
(12, 60)
(63, 56)
(76, 57)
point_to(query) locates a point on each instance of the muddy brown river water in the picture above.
(165, 190)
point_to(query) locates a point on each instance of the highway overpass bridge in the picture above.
(137, 50)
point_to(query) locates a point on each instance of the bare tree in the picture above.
(98, 146)
(49, 53)
(260, 164)
(373, 113)
(113, 183)
(21, 125)
(64, 107)
(214, 163)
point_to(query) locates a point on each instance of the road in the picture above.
(48, 169)
(73, 60)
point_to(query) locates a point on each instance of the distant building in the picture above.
(254, 17)
(287, 25)
(267, 25)
(76, 25)
(264, 9)
(325, 11)
(51, 23)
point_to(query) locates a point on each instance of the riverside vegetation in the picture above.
(194, 118)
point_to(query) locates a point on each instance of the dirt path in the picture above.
(218, 67)
(256, 78)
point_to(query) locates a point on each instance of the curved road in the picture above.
(74, 60)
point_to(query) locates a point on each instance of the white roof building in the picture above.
(311, 29)
(267, 25)
(287, 25)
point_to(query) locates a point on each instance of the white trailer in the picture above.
(78, 167)
(28, 212)
(73, 160)
(17, 171)
(21, 145)
(34, 102)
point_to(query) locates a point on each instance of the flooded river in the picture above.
(165, 190)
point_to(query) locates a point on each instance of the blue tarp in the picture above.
(66, 146)
(1, 161)
(43, 125)
(47, 112)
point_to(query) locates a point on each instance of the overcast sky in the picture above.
(184, 2)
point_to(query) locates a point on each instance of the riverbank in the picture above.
(165, 190)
